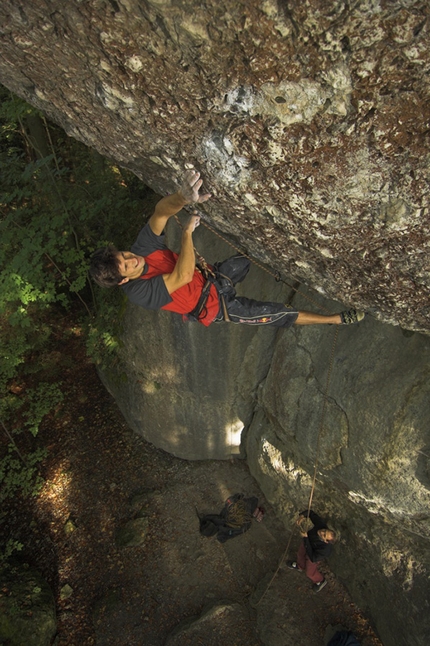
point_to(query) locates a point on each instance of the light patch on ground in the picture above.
(56, 492)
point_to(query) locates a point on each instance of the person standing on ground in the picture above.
(315, 546)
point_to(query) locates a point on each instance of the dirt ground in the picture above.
(98, 476)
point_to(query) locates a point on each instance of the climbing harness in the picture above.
(275, 274)
(200, 309)
(211, 275)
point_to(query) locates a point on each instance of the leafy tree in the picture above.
(58, 202)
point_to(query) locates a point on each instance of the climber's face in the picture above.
(130, 265)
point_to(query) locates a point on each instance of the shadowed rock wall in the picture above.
(191, 391)
(309, 122)
(188, 389)
(373, 477)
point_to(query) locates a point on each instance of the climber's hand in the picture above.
(192, 223)
(190, 187)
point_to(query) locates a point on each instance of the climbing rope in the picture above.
(329, 372)
(278, 278)
(276, 275)
(281, 562)
(330, 367)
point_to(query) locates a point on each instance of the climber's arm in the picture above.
(172, 204)
(183, 272)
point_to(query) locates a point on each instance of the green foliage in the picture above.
(58, 202)
(10, 548)
(42, 400)
(18, 475)
(55, 210)
(102, 333)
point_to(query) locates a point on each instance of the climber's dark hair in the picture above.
(104, 267)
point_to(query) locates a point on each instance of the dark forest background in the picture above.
(59, 201)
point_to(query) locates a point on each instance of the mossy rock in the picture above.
(133, 533)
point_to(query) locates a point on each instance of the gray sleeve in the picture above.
(147, 242)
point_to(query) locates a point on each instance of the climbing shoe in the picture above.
(293, 566)
(351, 316)
(317, 587)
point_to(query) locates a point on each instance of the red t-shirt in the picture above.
(150, 291)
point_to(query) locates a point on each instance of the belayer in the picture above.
(315, 546)
(155, 278)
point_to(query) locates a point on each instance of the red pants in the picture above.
(304, 563)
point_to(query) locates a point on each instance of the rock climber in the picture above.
(155, 278)
(317, 545)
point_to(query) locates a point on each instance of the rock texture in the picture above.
(310, 124)
(222, 620)
(373, 476)
(187, 389)
(309, 121)
(203, 381)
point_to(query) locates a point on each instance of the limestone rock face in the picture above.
(309, 122)
(373, 478)
(200, 393)
(187, 389)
